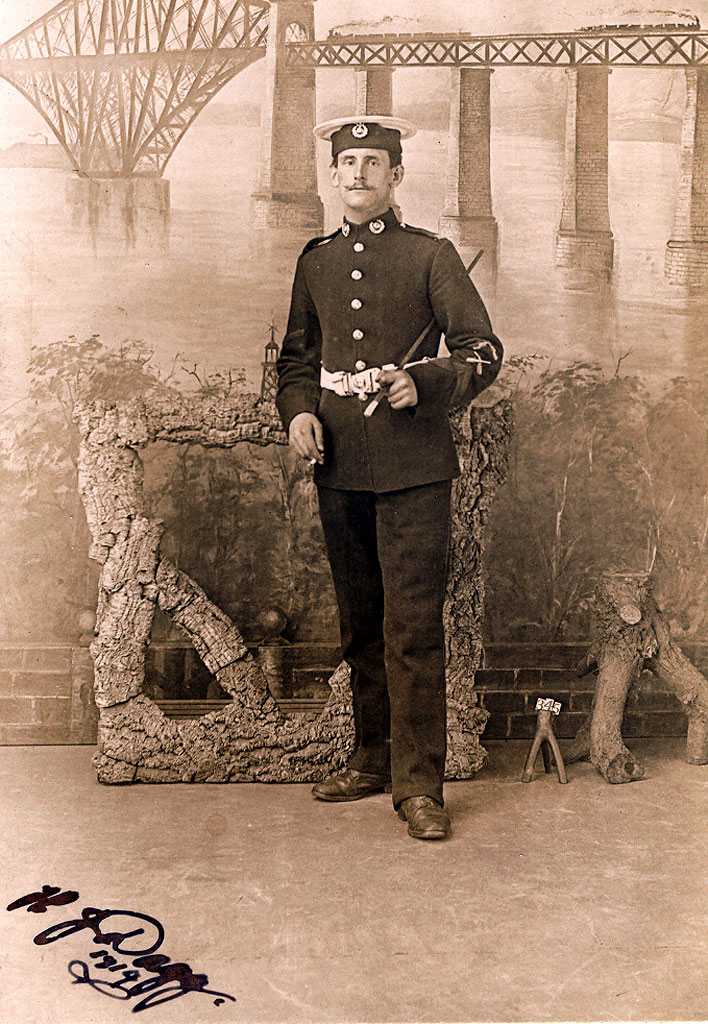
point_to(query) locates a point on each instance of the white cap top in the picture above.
(326, 129)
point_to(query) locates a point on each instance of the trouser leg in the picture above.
(413, 532)
(349, 525)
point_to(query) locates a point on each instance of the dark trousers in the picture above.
(388, 554)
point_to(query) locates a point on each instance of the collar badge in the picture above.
(345, 229)
(360, 131)
(376, 226)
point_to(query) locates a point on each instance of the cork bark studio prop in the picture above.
(481, 437)
(631, 635)
(250, 739)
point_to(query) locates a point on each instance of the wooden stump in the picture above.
(251, 739)
(631, 634)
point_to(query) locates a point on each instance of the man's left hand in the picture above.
(401, 390)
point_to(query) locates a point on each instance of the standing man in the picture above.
(361, 297)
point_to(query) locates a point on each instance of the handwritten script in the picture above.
(132, 936)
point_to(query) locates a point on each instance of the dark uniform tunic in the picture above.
(362, 296)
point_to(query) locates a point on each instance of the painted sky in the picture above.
(444, 15)
(20, 123)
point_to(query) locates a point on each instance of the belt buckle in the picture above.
(363, 383)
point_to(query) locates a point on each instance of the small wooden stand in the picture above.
(545, 739)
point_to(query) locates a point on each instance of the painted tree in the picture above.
(604, 472)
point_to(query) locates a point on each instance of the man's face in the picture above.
(364, 178)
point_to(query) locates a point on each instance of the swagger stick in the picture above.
(373, 404)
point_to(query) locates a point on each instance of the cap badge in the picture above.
(360, 131)
(376, 226)
(345, 229)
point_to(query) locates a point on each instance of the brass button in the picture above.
(357, 275)
(359, 365)
(357, 335)
(358, 247)
(362, 396)
(356, 303)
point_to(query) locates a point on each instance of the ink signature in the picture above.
(133, 936)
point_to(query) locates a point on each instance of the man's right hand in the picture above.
(306, 437)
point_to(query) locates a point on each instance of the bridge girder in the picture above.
(650, 47)
(120, 81)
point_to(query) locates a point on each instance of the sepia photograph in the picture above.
(354, 491)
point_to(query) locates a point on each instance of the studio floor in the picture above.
(584, 902)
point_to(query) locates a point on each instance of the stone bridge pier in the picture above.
(287, 196)
(584, 243)
(687, 252)
(374, 91)
(467, 218)
(133, 210)
(374, 95)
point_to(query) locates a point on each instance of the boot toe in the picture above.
(349, 785)
(426, 818)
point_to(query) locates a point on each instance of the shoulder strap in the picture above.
(421, 231)
(320, 240)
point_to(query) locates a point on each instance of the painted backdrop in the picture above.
(609, 380)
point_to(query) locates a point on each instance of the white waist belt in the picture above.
(363, 382)
(366, 382)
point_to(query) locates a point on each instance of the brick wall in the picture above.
(591, 154)
(584, 240)
(291, 212)
(288, 112)
(585, 184)
(686, 263)
(699, 184)
(468, 182)
(686, 260)
(374, 91)
(46, 693)
(516, 674)
(585, 250)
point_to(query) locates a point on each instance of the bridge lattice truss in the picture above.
(120, 81)
(654, 47)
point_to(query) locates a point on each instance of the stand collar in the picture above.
(373, 226)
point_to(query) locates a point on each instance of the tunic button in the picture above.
(362, 396)
(356, 303)
(358, 247)
(359, 365)
(357, 275)
(357, 335)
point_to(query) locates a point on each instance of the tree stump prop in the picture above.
(250, 739)
(631, 635)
